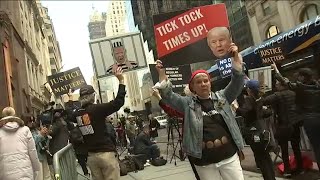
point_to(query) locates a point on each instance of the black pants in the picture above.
(263, 161)
(82, 160)
(312, 126)
(194, 170)
(131, 139)
(295, 143)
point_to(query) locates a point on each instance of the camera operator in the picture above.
(39, 135)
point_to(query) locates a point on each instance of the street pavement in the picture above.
(183, 171)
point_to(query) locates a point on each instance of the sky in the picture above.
(70, 20)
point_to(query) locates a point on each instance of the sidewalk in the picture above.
(182, 171)
(249, 165)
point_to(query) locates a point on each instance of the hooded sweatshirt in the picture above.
(18, 154)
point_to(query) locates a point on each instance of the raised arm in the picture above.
(234, 88)
(167, 109)
(113, 106)
(174, 100)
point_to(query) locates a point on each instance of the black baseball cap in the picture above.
(85, 90)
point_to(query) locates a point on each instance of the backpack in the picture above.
(129, 164)
(123, 168)
(75, 135)
(83, 120)
(158, 162)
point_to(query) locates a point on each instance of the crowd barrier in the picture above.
(65, 164)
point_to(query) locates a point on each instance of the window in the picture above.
(266, 7)
(114, 12)
(272, 31)
(309, 12)
(236, 5)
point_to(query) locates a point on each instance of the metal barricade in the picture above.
(65, 164)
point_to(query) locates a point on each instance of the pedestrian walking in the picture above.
(18, 154)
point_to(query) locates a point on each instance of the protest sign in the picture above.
(264, 76)
(179, 76)
(225, 67)
(125, 51)
(272, 54)
(60, 83)
(181, 36)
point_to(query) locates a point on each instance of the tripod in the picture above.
(173, 124)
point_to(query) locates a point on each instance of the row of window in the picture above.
(308, 13)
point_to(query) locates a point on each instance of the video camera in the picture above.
(47, 117)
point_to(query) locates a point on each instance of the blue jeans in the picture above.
(152, 151)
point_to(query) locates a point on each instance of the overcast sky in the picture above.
(70, 20)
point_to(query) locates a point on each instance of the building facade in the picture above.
(116, 25)
(97, 25)
(24, 60)
(116, 18)
(270, 18)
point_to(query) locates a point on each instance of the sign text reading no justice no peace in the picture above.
(188, 27)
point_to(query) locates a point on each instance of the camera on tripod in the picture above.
(173, 124)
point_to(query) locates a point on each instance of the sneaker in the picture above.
(287, 175)
(147, 164)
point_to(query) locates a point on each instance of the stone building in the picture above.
(25, 56)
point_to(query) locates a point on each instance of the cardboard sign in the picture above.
(264, 76)
(125, 51)
(225, 67)
(181, 36)
(62, 82)
(271, 54)
(179, 76)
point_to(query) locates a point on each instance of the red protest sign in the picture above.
(189, 27)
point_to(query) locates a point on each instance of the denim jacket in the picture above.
(38, 138)
(193, 120)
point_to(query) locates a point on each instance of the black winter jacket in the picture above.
(97, 139)
(307, 95)
(284, 105)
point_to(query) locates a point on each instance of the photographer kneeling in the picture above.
(143, 145)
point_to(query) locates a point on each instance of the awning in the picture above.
(293, 40)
